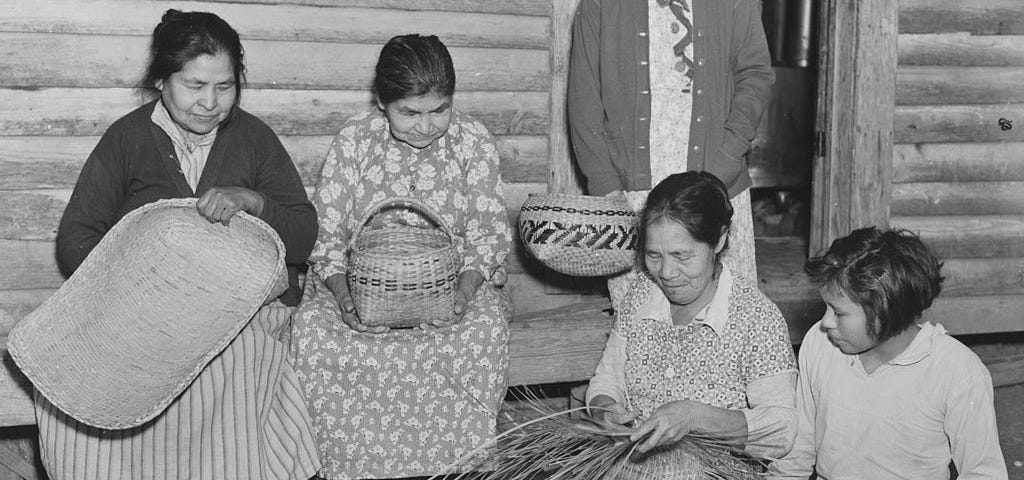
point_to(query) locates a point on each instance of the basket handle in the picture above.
(407, 202)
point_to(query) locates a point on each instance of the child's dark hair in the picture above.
(891, 274)
(698, 201)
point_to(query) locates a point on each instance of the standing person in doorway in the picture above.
(658, 87)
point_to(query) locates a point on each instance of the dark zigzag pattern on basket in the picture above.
(582, 211)
(390, 285)
(594, 237)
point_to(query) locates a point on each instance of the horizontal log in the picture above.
(960, 49)
(967, 277)
(311, 23)
(953, 198)
(975, 236)
(988, 17)
(946, 85)
(958, 162)
(15, 394)
(17, 304)
(89, 111)
(28, 265)
(958, 123)
(978, 314)
(521, 7)
(41, 60)
(1006, 371)
(558, 346)
(31, 214)
(40, 162)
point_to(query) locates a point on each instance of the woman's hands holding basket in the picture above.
(466, 287)
(338, 285)
(468, 283)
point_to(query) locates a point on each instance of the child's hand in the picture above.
(668, 424)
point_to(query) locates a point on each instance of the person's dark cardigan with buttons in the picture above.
(609, 101)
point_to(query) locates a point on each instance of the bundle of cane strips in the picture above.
(571, 445)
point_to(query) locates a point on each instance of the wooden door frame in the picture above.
(852, 172)
(562, 177)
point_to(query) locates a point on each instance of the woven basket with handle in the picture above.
(579, 235)
(403, 276)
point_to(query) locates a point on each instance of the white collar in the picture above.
(714, 315)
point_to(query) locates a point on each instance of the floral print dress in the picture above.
(407, 402)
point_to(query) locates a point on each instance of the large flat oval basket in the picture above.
(403, 276)
(161, 295)
(579, 235)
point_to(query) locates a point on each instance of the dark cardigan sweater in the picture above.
(134, 163)
(609, 99)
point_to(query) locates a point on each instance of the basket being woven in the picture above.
(403, 276)
(682, 461)
(163, 293)
(579, 235)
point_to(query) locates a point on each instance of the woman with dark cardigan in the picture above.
(244, 415)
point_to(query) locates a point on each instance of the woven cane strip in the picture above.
(403, 276)
(579, 235)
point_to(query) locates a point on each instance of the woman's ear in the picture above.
(721, 240)
(159, 84)
(380, 104)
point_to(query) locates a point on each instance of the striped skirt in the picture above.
(243, 417)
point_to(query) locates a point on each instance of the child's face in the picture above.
(846, 323)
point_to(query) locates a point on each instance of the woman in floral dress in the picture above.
(401, 403)
(695, 349)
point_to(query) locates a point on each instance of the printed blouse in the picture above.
(457, 176)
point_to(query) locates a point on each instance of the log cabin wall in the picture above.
(958, 166)
(67, 71)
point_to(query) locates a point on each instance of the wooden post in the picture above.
(563, 178)
(856, 103)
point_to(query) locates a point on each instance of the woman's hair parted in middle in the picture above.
(181, 37)
(698, 201)
(891, 274)
(413, 65)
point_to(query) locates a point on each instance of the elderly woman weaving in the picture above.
(696, 350)
(406, 402)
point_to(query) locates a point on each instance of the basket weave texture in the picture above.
(403, 276)
(579, 235)
(161, 295)
(680, 461)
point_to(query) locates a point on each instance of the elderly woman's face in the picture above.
(682, 266)
(419, 121)
(200, 96)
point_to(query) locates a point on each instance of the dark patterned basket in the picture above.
(579, 235)
(403, 276)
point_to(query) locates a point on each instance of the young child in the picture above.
(882, 394)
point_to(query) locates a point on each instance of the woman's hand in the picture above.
(465, 288)
(604, 409)
(338, 285)
(219, 204)
(668, 424)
